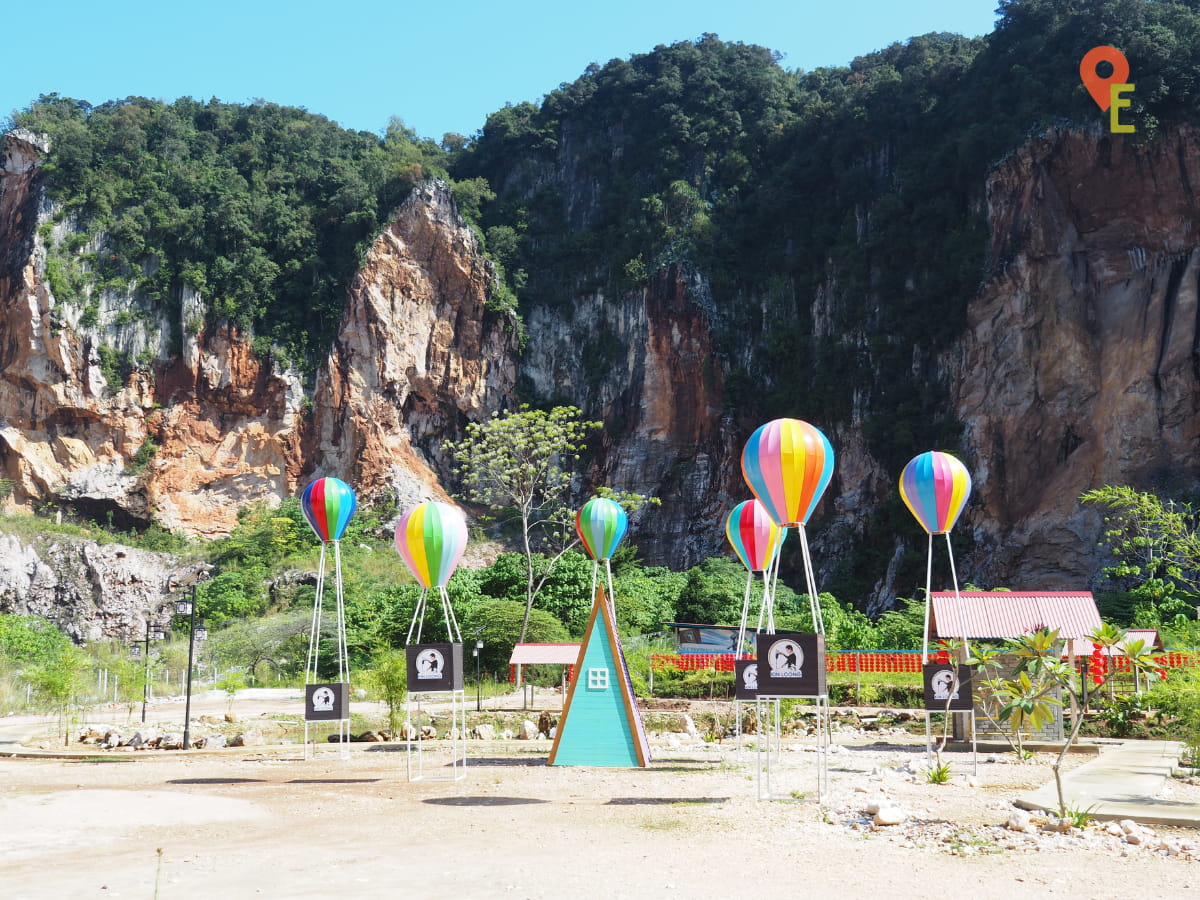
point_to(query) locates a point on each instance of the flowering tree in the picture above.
(1028, 698)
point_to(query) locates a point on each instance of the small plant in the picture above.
(1080, 818)
(939, 774)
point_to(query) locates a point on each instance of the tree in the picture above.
(389, 676)
(1157, 547)
(1041, 669)
(504, 624)
(61, 682)
(520, 464)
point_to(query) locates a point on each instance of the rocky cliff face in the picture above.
(419, 354)
(216, 427)
(91, 591)
(1081, 365)
(646, 365)
(226, 426)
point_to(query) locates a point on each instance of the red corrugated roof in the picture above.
(544, 654)
(999, 615)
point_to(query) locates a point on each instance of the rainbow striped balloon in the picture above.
(328, 504)
(788, 463)
(754, 536)
(935, 487)
(431, 538)
(601, 524)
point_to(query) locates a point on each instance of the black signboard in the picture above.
(435, 667)
(745, 679)
(326, 702)
(948, 683)
(791, 665)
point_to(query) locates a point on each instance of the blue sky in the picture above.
(440, 68)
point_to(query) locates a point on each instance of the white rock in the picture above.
(1018, 820)
(889, 815)
(485, 732)
(506, 734)
(213, 742)
(528, 731)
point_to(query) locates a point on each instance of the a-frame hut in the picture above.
(601, 724)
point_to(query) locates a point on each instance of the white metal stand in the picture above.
(769, 747)
(456, 740)
(343, 655)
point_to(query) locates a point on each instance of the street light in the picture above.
(186, 606)
(153, 633)
(478, 679)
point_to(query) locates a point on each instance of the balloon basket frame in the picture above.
(343, 739)
(456, 744)
(962, 719)
(769, 747)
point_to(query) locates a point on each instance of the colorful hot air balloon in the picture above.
(601, 524)
(935, 487)
(328, 504)
(788, 463)
(431, 538)
(754, 536)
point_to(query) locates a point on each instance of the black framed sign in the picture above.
(326, 702)
(948, 683)
(791, 665)
(745, 679)
(434, 667)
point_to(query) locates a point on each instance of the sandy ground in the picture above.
(265, 822)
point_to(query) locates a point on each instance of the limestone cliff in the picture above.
(418, 355)
(1081, 365)
(216, 427)
(199, 426)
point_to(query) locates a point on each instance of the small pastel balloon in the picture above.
(328, 504)
(431, 538)
(601, 524)
(788, 464)
(935, 487)
(753, 534)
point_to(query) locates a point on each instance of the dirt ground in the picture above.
(265, 822)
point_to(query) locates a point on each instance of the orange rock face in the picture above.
(418, 352)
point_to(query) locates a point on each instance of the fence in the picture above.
(874, 661)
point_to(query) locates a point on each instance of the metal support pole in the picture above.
(187, 707)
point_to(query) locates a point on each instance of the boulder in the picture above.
(171, 741)
(251, 738)
(485, 732)
(528, 731)
(1019, 820)
(428, 733)
(889, 815)
(213, 742)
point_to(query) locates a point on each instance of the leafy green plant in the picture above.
(1080, 818)
(938, 774)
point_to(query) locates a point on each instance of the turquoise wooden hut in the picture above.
(601, 724)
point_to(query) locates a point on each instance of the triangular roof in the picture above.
(601, 724)
(999, 615)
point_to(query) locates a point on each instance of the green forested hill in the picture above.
(264, 209)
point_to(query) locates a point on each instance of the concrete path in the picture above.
(1123, 782)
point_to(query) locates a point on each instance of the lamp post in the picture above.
(478, 679)
(187, 607)
(151, 635)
